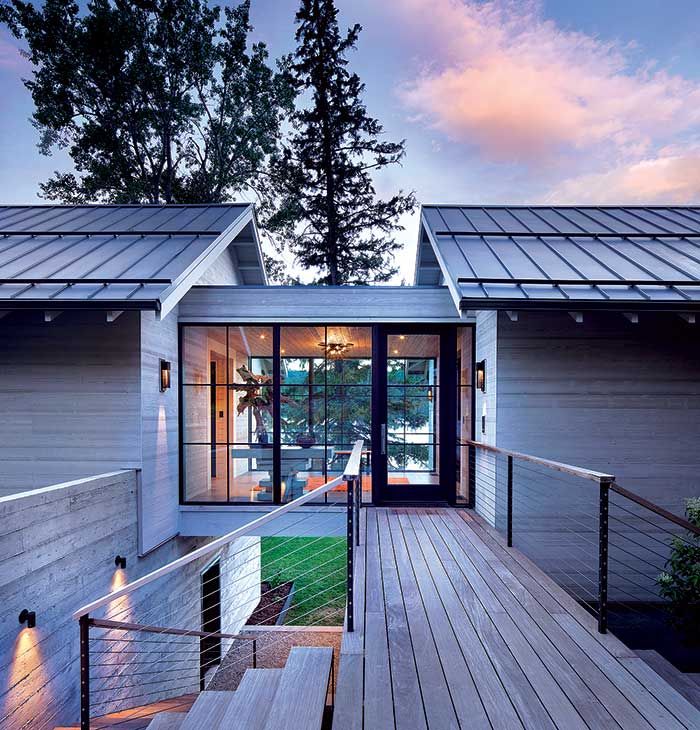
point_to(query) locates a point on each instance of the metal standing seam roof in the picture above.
(531, 256)
(116, 256)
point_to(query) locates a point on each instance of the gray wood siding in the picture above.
(318, 304)
(69, 397)
(486, 403)
(606, 395)
(223, 271)
(159, 431)
(58, 547)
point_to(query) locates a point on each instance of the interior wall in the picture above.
(69, 397)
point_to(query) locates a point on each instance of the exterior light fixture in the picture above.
(164, 375)
(120, 562)
(481, 376)
(27, 617)
(430, 394)
(483, 418)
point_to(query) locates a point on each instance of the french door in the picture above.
(413, 442)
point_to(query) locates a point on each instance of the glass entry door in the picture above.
(415, 399)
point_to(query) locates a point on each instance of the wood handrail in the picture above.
(680, 521)
(215, 544)
(576, 471)
(352, 468)
(101, 623)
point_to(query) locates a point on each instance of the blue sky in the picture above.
(499, 101)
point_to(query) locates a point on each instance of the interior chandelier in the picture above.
(335, 349)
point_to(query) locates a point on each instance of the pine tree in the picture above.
(329, 214)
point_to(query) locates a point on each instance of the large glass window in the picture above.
(229, 435)
(227, 404)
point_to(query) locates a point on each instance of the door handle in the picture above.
(383, 439)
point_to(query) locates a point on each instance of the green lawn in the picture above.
(317, 567)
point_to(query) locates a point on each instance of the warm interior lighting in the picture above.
(164, 375)
(262, 336)
(402, 337)
(395, 351)
(336, 349)
(481, 376)
(120, 562)
(27, 617)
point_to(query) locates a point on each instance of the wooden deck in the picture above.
(454, 630)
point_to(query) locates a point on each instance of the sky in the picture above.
(499, 101)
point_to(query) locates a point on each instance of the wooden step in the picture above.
(252, 700)
(167, 721)
(684, 684)
(300, 700)
(207, 710)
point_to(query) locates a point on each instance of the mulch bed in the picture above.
(271, 604)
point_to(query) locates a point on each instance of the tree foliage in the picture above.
(155, 100)
(329, 212)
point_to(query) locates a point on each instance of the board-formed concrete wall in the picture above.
(57, 551)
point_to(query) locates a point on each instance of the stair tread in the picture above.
(300, 699)
(167, 721)
(252, 700)
(207, 710)
(684, 684)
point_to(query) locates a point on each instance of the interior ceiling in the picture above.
(303, 341)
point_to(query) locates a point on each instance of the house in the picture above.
(157, 393)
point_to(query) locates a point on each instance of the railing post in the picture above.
(350, 555)
(358, 504)
(84, 623)
(471, 459)
(603, 556)
(509, 515)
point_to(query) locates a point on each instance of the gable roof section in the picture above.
(591, 257)
(119, 256)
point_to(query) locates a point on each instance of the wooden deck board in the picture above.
(460, 631)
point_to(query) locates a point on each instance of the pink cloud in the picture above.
(11, 57)
(665, 179)
(520, 89)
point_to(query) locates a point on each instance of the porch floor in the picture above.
(455, 630)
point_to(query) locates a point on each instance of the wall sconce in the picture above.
(481, 376)
(27, 617)
(483, 418)
(430, 394)
(164, 375)
(120, 562)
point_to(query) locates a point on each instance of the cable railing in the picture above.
(151, 639)
(632, 563)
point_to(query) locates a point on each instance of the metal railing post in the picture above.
(358, 504)
(471, 459)
(509, 514)
(603, 556)
(350, 555)
(84, 672)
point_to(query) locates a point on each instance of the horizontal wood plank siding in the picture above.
(69, 397)
(318, 304)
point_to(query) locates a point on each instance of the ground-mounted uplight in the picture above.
(27, 617)
(120, 562)
(481, 375)
(164, 375)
